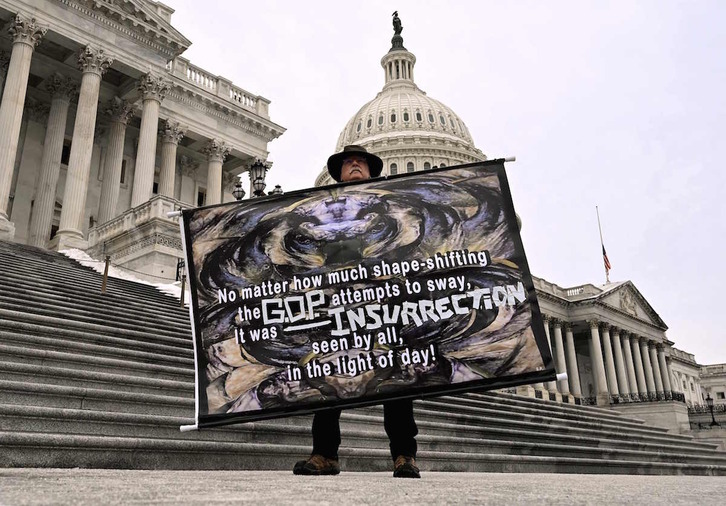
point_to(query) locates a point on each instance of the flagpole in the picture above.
(607, 274)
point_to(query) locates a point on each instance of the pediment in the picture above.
(628, 299)
(141, 18)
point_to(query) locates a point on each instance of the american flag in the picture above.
(605, 259)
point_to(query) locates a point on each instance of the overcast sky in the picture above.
(616, 104)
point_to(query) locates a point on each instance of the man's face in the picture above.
(355, 168)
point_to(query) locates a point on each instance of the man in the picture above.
(354, 163)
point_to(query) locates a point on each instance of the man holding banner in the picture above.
(354, 163)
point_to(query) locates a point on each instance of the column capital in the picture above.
(188, 166)
(556, 322)
(119, 110)
(594, 323)
(546, 318)
(172, 131)
(567, 326)
(94, 61)
(37, 111)
(61, 87)
(605, 326)
(216, 150)
(26, 31)
(153, 87)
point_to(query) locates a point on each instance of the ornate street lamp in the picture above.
(277, 190)
(238, 192)
(257, 177)
(709, 403)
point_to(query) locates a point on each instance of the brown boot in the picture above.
(316, 465)
(405, 467)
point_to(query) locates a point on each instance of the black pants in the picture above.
(397, 420)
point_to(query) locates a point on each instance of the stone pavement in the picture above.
(101, 486)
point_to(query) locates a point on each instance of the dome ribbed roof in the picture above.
(405, 127)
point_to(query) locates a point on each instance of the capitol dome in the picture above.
(404, 126)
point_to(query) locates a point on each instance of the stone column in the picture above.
(669, 375)
(639, 374)
(153, 89)
(609, 362)
(629, 365)
(647, 368)
(171, 134)
(560, 364)
(573, 372)
(26, 36)
(60, 89)
(551, 386)
(598, 366)
(216, 152)
(120, 112)
(93, 63)
(620, 365)
(660, 393)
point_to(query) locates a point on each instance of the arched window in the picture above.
(360, 126)
(442, 165)
(409, 167)
(442, 120)
(370, 122)
(393, 116)
(427, 165)
(405, 116)
(419, 117)
(393, 170)
(380, 119)
(431, 117)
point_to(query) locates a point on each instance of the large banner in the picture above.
(352, 294)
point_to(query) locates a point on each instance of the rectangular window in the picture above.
(201, 197)
(66, 153)
(123, 172)
(720, 395)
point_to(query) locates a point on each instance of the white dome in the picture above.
(408, 129)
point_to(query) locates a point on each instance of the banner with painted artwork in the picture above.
(352, 294)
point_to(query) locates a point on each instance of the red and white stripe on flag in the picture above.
(605, 259)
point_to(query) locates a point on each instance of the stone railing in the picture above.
(156, 208)
(218, 86)
(683, 356)
(565, 293)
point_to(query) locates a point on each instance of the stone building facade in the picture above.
(106, 128)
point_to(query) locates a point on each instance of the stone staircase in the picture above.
(92, 380)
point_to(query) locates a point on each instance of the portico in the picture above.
(123, 119)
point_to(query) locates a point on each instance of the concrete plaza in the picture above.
(93, 487)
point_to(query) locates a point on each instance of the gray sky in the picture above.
(616, 104)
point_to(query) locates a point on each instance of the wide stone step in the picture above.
(506, 401)
(106, 318)
(81, 280)
(60, 450)
(68, 421)
(72, 289)
(18, 392)
(64, 376)
(538, 418)
(61, 330)
(89, 359)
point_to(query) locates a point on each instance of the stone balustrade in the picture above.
(154, 209)
(218, 86)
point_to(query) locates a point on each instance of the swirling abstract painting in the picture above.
(357, 293)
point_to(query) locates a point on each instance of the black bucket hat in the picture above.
(335, 162)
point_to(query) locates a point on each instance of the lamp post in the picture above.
(238, 193)
(257, 177)
(709, 403)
